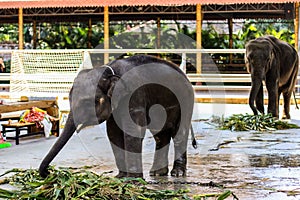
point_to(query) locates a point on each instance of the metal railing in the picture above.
(195, 78)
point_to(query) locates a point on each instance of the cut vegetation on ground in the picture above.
(247, 122)
(66, 183)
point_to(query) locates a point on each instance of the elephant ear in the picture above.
(248, 67)
(272, 61)
(113, 81)
(273, 49)
(107, 82)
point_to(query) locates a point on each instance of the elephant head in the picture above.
(89, 105)
(259, 59)
(90, 96)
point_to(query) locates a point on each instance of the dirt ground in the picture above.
(250, 164)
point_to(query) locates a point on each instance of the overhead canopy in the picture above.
(7, 4)
(84, 10)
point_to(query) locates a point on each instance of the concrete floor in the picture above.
(233, 164)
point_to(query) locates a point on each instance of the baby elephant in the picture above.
(132, 95)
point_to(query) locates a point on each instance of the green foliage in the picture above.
(68, 36)
(283, 30)
(211, 39)
(67, 183)
(222, 196)
(247, 122)
(75, 35)
(8, 33)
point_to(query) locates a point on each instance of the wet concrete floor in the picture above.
(252, 165)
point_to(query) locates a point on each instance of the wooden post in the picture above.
(106, 33)
(34, 38)
(296, 30)
(90, 34)
(21, 35)
(230, 28)
(158, 32)
(296, 25)
(199, 37)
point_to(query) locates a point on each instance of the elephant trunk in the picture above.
(67, 133)
(256, 84)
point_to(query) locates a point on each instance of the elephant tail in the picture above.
(295, 79)
(296, 103)
(194, 142)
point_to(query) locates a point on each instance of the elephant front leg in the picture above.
(273, 98)
(116, 138)
(259, 101)
(160, 162)
(126, 144)
(133, 142)
(133, 156)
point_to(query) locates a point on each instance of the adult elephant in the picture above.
(132, 95)
(275, 62)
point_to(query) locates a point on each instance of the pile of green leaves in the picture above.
(247, 122)
(66, 183)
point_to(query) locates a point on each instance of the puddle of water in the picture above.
(248, 176)
(252, 165)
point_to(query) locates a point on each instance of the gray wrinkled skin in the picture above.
(132, 95)
(275, 62)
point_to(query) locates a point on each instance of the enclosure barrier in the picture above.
(52, 72)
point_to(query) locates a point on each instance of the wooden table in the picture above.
(17, 128)
(8, 111)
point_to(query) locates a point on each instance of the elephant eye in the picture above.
(97, 97)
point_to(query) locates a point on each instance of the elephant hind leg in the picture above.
(179, 167)
(160, 162)
(180, 148)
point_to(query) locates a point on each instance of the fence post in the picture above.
(296, 25)
(199, 37)
(106, 34)
(20, 28)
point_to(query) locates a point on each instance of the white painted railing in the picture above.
(199, 78)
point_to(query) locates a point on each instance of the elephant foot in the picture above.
(135, 175)
(122, 174)
(160, 172)
(179, 169)
(286, 116)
